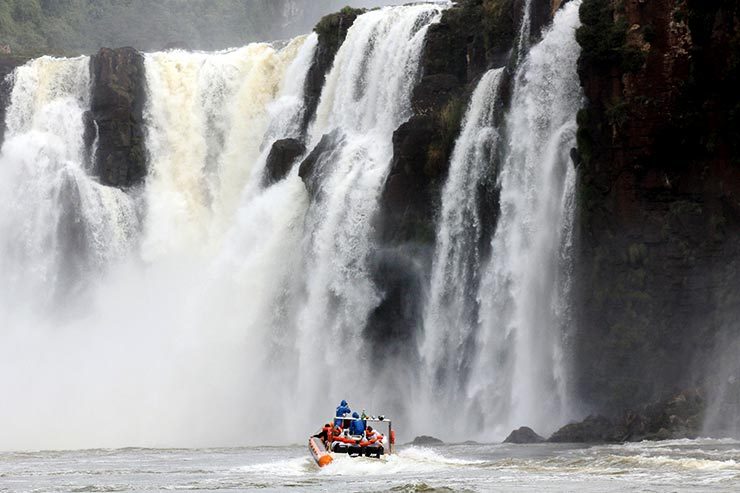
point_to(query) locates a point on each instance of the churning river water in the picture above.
(671, 466)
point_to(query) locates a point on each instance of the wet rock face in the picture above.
(280, 160)
(426, 441)
(472, 37)
(332, 30)
(658, 197)
(524, 435)
(394, 323)
(314, 166)
(458, 50)
(116, 116)
(675, 417)
(594, 429)
(415, 175)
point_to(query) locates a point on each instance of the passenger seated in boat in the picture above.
(372, 437)
(326, 434)
(356, 427)
(372, 444)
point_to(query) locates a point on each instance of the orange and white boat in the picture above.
(323, 446)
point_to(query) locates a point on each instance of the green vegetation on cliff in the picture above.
(332, 28)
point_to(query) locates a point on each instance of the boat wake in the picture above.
(413, 460)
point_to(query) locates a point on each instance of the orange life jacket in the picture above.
(371, 438)
(328, 431)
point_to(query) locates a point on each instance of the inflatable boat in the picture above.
(323, 446)
(318, 452)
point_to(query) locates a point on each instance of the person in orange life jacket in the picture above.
(326, 434)
(371, 437)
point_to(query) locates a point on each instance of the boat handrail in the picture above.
(375, 420)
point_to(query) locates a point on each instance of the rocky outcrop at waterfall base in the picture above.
(658, 196)
(675, 417)
(426, 441)
(524, 435)
(116, 116)
(282, 155)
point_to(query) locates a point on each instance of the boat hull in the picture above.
(356, 450)
(319, 452)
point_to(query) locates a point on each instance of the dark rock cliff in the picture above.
(659, 195)
(672, 417)
(282, 155)
(116, 116)
(331, 30)
(471, 37)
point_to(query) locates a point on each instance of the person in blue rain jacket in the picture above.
(357, 427)
(342, 409)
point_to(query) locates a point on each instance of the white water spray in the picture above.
(235, 302)
(199, 334)
(207, 116)
(493, 328)
(161, 353)
(58, 226)
(518, 373)
(365, 98)
(451, 313)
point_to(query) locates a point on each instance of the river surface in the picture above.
(671, 466)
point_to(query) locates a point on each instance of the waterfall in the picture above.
(200, 304)
(365, 98)
(57, 225)
(206, 118)
(518, 373)
(158, 351)
(212, 297)
(451, 312)
(494, 328)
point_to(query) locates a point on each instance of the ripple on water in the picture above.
(677, 466)
(99, 488)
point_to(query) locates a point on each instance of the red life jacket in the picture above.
(371, 438)
(328, 431)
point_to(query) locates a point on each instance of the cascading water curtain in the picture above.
(163, 321)
(518, 372)
(208, 298)
(367, 95)
(59, 228)
(201, 302)
(494, 357)
(451, 313)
